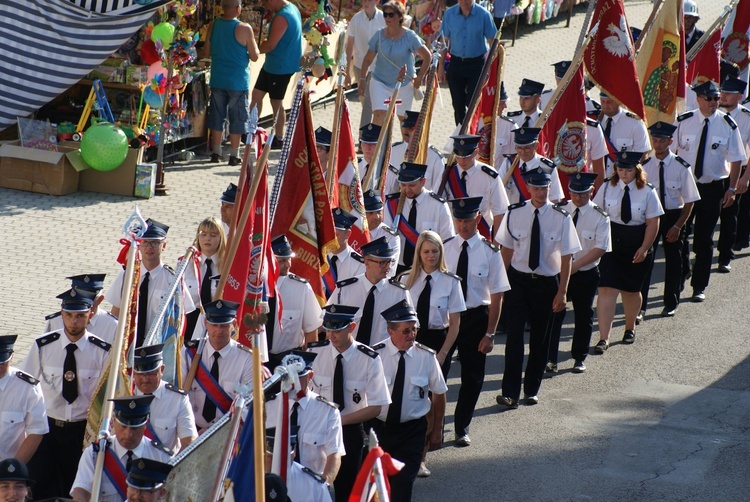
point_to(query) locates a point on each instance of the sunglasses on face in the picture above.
(389, 14)
(711, 98)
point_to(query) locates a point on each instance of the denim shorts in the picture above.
(231, 105)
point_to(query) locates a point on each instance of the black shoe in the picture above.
(579, 367)
(739, 246)
(629, 336)
(724, 268)
(215, 158)
(699, 296)
(551, 367)
(601, 346)
(277, 143)
(234, 161)
(507, 401)
(669, 312)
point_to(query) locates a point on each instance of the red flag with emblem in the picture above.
(482, 121)
(705, 65)
(735, 46)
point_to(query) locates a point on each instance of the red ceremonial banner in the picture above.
(482, 121)
(705, 64)
(735, 47)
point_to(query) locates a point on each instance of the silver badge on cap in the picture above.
(131, 405)
(141, 464)
(73, 293)
(462, 203)
(11, 468)
(143, 353)
(521, 131)
(462, 142)
(86, 279)
(624, 155)
(219, 305)
(332, 310)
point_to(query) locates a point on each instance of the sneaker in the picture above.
(669, 312)
(724, 268)
(601, 346)
(507, 401)
(531, 400)
(551, 367)
(629, 336)
(234, 161)
(699, 296)
(463, 441)
(215, 158)
(579, 367)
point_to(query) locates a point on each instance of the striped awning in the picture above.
(48, 45)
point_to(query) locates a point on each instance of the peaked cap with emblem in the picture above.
(155, 231)
(465, 208)
(465, 144)
(530, 87)
(378, 248)
(410, 119)
(526, 135)
(662, 130)
(733, 85)
(148, 358)
(12, 469)
(628, 160)
(342, 220)
(560, 68)
(707, 88)
(7, 342)
(276, 488)
(230, 194)
(220, 311)
(132, 411)
(373, 201)
(411, 171)
(336, 317)
(147, 474)
(323, 136)
(581, 182)
(91, 282)
(369, 133)
(538, 177)
(400, 312)
(281, 247)
(76, 300)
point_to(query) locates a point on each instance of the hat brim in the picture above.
(149, 367)
(76, 307)
(220, 319)
(136, 421)
(335, 325)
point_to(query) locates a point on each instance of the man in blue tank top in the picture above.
(231, 44)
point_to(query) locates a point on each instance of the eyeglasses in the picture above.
(389, 14)
(407, 331)
(151, 244)
(462, 156)
(711, 98)
(380, 263)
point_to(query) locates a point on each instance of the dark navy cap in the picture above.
(603, 94)
(400, 312)
(733, 85)
(336, 317)
(342, 220)
(276, 490)
(707, 88)
(323, 136)
(561, 67)
(77, 300)
(465, 144)
(369, 133)
(526, 135)
(411, 171)
(91, 282)
(662, 130)
(147, 474)
(539, 177)
(301, 360)
(728, 69)
(220, 311)
(155, 230)
(7, 342)
(132, 411)
(230, 194)
(635, 32)
(581, 182)
(503, 93)
(281, 247)
(628, 160)
(373, 201)
(379, 248)
(148, 358)
(465, 208)
(530, 87)
(12, 469)
(410, 119)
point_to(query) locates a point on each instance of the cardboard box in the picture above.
(145, 181)
(119, 181)
(37, 171)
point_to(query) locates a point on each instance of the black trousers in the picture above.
(351, 462)
(707, 211)
(473, 328)
(462, 78)
(529, 300)
(403, 442)
(55, 463)
(728, 228)
(581, 292)
(672, 262)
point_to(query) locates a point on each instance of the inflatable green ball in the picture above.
(104, 146)
(163, 32)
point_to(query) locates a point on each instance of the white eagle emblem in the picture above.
(619, 44)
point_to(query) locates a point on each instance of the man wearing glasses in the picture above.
(373, 290)
(526, 140)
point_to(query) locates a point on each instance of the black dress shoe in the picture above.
(507, 401)
(669, 312)
(724, 268)
(601, 346)
(699, 296)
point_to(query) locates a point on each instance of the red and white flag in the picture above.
(482, 121)
(705, 65)
(735, 46)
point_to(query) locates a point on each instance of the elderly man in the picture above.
(14, 481)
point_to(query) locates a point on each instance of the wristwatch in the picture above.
(732, 189)
(491, 336)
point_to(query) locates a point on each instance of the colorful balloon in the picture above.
(163, 32)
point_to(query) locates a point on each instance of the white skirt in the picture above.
(380, 92)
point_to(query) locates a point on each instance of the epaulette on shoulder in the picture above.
(395, 282)
(490, 244)
(597, 105)
(326, 401)
(394, 195)
(650, 185)
(100, 343)
(47, 339)
(437, 198)
(297, 278)
(547, 162)
(547, 91)
(346, 282)
(112, 316)
(26, 377)
(367, 350)
(684, 116)
(509, 156)
(389, 230)
(682, 161)
(424, 347)
(317, 477)
(398, 143)
(192, 344)
(744, 110)
(357, 257)
(730, 121)
(451, 274)
(487, 169)
(507, 119)
(319, 344)
(156, 444)
(562, 204)
(600, 211)
(432, 147)
(168, 269)
(632, 115)
(591, 122)
(646, 161)
(560, 210)
(393, 169)
(245, 348)
(403, 274)
(516, 205)
(379, 346)
(52, 315)
(515, 113)
(271, 397)
(171, 387)
(449, 239)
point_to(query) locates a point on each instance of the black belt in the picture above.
(672, 211)
(63, 424)
(711, 182)
(470, 311)
(531, 275)
(466, 60)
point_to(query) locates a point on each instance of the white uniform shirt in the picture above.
(387, 292)
(519, 117)
(593, 230)
(235, 367)
(303, 485)
(193, 285)
(300, 315)
(445, 296)
(433, 175)
(422, 375)
(741, 116)
(171, 415)
(319, 432)
(364, 381)
(514, 195)
(644, 202)
(349, 264)
(22, 411)
(679, 184)
(486, 269)
(361, 28)
(557, 233)
(108, 493)
(480, 182)
(628, 133)
(45, 362)
(504, 145)
(723, 144)
(103, 325)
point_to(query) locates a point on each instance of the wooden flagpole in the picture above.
(337, 110)
(647, 27)
(716, 25)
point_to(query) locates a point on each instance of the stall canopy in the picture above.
(48, 45)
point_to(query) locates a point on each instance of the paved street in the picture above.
(664, 419)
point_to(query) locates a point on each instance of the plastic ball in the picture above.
(104, 146)
(152, 98)
(154, 70)
(163, 32)
(319, 68)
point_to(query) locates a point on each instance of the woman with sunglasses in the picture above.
(634, 210)
(395, 47)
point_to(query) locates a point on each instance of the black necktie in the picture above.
(397, 394)
(338, 382)
(535, 248)
(625, 214)
(206, 284)
(408, 248)
(463, 183)
(334, 266)
(523, 167)
(209, 408)
(608, 129)
(423, 305)
(526, 121)
(294, 424)
(365, 326)
(462, 270)
(575, 218)
(701, 151)
(661, 185)
(129, 461)
(270, 322)
(142, 310)
(70, 375)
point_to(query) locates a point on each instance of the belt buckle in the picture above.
(59, 423)
(534, 275)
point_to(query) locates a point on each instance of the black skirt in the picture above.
(616, 267)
